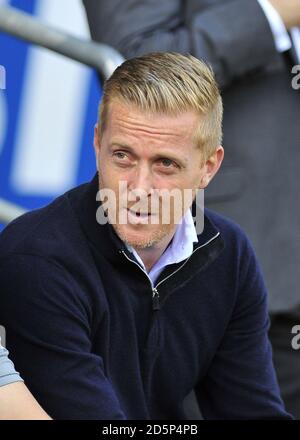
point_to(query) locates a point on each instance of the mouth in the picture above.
(139, 214)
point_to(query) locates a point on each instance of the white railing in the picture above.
(9, 211)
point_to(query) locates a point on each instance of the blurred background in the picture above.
(47, 111)
(49, 107)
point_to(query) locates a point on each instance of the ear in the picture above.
(96, 144)
(211, 167)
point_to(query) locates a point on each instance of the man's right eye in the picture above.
(119, 155)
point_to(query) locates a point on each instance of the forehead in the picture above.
(128, 120)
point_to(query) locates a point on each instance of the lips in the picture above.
(139, 214)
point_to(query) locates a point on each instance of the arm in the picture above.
(47, 318)
(16, 401)
(8, 374)
(225, 34)
(241, 381)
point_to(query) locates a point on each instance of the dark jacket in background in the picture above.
(258, 183)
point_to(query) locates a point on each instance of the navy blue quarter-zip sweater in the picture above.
(93, 340)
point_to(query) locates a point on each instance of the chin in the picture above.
(142, 238)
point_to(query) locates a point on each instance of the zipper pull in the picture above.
(155, 299)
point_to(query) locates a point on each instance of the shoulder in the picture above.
(238, 257)
(231, 232)
(46, 232)
(45, 258)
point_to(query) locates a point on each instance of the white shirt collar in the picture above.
(180, 248)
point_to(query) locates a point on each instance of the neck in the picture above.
(152, 254)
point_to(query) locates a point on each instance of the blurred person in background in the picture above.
(251, 46)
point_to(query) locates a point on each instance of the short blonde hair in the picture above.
(169, 83)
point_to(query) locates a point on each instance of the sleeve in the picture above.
(48, 332)
(280, 33)
(241, 383)
(8, 374)
(233, 36)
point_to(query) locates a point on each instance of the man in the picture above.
(247, 44)
(121, 319)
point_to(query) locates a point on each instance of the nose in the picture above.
(142, 180)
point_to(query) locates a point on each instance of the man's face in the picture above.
(148, 153)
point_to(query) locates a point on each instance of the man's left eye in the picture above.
(167, 163)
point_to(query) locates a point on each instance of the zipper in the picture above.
(155, 293)
(155, 299)
(184, 263)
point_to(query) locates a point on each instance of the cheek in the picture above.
(112, 180)
(106, 171)
(187, 181)
(195, 178)
(161, 181)
(107, 179)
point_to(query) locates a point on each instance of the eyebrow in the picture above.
(182, 162)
